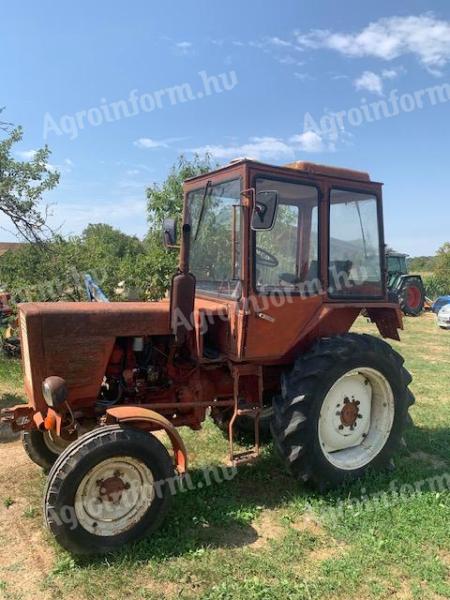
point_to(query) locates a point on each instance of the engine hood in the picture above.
(87, 319)
(74, 340)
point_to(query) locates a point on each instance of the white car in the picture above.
(443, 318)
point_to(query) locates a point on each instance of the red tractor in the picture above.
(276, 263)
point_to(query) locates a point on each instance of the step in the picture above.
(244, 457)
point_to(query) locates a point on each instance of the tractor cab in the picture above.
(396, 263)
(303, 236)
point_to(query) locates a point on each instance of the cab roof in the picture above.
(304, 166)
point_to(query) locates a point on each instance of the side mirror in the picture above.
(265, 210)
(170, 233)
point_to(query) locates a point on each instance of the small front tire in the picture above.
(108, 489)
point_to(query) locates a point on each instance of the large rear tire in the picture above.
(342, 410)
(245, 425)
(411, 297)
(111, 487)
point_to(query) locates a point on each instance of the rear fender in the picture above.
(388, 319)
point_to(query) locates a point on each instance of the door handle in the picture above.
(264, 317)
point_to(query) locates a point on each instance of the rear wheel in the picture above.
(342, 410)
(43, 447)
(108, 489)
(412, 297)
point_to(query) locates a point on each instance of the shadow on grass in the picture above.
(434, 441)
(221, 515)
(216, 516)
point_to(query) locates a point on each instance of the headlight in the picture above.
(54, 390)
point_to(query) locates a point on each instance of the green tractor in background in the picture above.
(408, 289)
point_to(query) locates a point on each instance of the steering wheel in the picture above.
(265, 259)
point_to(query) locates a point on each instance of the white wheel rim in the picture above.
(114, 496)
(55, 443)
(356, 418)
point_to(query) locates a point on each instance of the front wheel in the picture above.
(342, 409)
(111, 487)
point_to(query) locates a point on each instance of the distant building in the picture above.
(9, 246)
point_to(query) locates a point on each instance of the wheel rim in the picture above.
(356, 418)
(55, 443)
(413, 297)
(114, 496)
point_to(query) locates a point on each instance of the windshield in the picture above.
(215, 219)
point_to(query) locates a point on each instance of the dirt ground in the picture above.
(26, 558)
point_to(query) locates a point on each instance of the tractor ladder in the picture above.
(247, 394)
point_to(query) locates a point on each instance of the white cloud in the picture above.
(389, 73)
(290, 60)
(145, 143)
(126, 213)
(371, 82)
(26, 154)
(302, 76)
(184, 48)
(424, 36)
(264, 148)
(309, 141)
(65, 167)
(276, 41)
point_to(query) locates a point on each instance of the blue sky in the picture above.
(70, 71)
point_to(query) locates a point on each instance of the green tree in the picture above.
(55, 270)
(22, 185)
(166, 200)
(439, 282)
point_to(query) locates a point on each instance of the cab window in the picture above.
(354, 245)
(286, 257)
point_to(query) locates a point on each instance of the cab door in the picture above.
(285, 270)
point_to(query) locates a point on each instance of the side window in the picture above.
(286, 257)
(355, 262)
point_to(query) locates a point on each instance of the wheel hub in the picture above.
(111, 489)
(350, 413)
(114, 495)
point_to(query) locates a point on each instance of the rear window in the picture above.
(354, 258)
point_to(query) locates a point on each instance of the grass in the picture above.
(263, 536)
